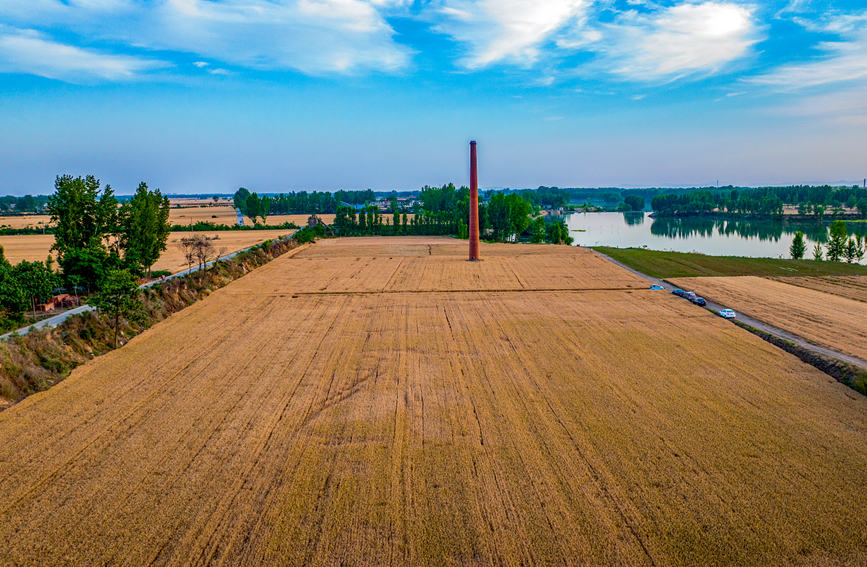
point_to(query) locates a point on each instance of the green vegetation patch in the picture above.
(683, 265)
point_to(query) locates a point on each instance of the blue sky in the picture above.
(279, 95)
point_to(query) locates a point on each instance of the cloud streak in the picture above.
(28, 51)
(311, 36)
(840, 62)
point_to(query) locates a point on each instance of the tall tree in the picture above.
(538, 230)
(144, 228)
(240, 199)
(118, 297)
(798, 246)
(13, 300)
(36, 281)
(82, 214)
(264, 208)
(837, 241)
(851, 250)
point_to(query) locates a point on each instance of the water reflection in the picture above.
(764, 230)
(739, 237)
(633, 218)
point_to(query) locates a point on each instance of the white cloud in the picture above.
(312, 36)
(28, 51)
(842, 61)
(675, 42)
(510, 31)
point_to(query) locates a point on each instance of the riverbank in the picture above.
(661, 264)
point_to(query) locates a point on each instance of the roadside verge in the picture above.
(37, 360)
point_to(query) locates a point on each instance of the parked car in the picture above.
(678, 292)
(700, 301)
(656, 287)
(727, 314)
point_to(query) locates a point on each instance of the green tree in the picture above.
(851, 251)
(537, 230)
(498, 216)
(13, 299)
(144, 228)
(798, 247)
(84, 217)
(837, 241)
(818, 255)
(251, 207)
(36, 281)
(859, 247)
(264, 209)
(634, 203)
(118, 297)
(519, 213)
(240, 200)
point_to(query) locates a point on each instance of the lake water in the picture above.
(718, 237)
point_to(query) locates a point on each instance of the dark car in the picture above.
(678, 292)
(699, 301)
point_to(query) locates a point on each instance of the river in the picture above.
(718, 237)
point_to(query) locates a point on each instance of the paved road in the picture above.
(61, 317)
(755, 323)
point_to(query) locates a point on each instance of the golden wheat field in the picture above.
(30, 247)
(33, 247)
(220, 214)
(381, 401)
(224, 242)
(823, 318)
(851, 287)
(24, 221)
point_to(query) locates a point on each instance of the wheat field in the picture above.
(851, 287)
(381, 401)
(824, 318)
(220, 214)
(32, 247)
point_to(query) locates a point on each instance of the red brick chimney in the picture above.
(474, 205)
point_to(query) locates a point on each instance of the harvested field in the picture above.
(379, 424)
(182, 216)
(24, 221)
(851, 287)
(37, 246)
(191, 215)
(226, 241)
(826, 319)
(30, 247)
(227, 216)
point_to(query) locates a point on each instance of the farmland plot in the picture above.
(388, 422)
(851, 287)
(33, 247)
(824, 318)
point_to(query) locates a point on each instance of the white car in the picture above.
(727, 314)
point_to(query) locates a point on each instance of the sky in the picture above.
(204, 96)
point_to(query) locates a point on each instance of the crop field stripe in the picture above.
(823, 318)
